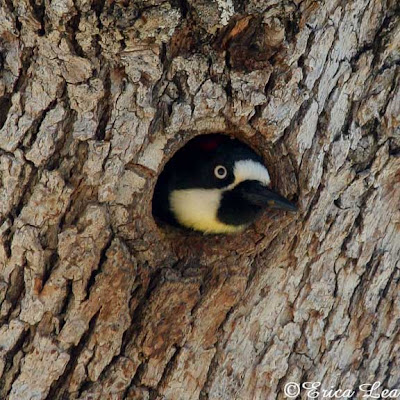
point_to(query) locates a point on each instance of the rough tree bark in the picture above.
(97, 301)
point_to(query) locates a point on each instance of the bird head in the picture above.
(216, 184)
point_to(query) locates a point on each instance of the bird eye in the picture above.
(220, 172)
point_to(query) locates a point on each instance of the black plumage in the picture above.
(194, 167)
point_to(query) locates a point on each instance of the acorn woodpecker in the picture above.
(215, 184)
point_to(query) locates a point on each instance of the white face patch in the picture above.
(249, 170)
(198, 208)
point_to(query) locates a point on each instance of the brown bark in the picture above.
(97, 301)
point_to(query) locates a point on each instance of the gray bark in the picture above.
(97, 301)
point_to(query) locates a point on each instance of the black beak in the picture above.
(261, 196)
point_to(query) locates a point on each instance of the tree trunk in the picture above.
(97, 301)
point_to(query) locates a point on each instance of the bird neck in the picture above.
(198, 209)
(234, 210)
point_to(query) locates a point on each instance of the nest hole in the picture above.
(187, 242)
